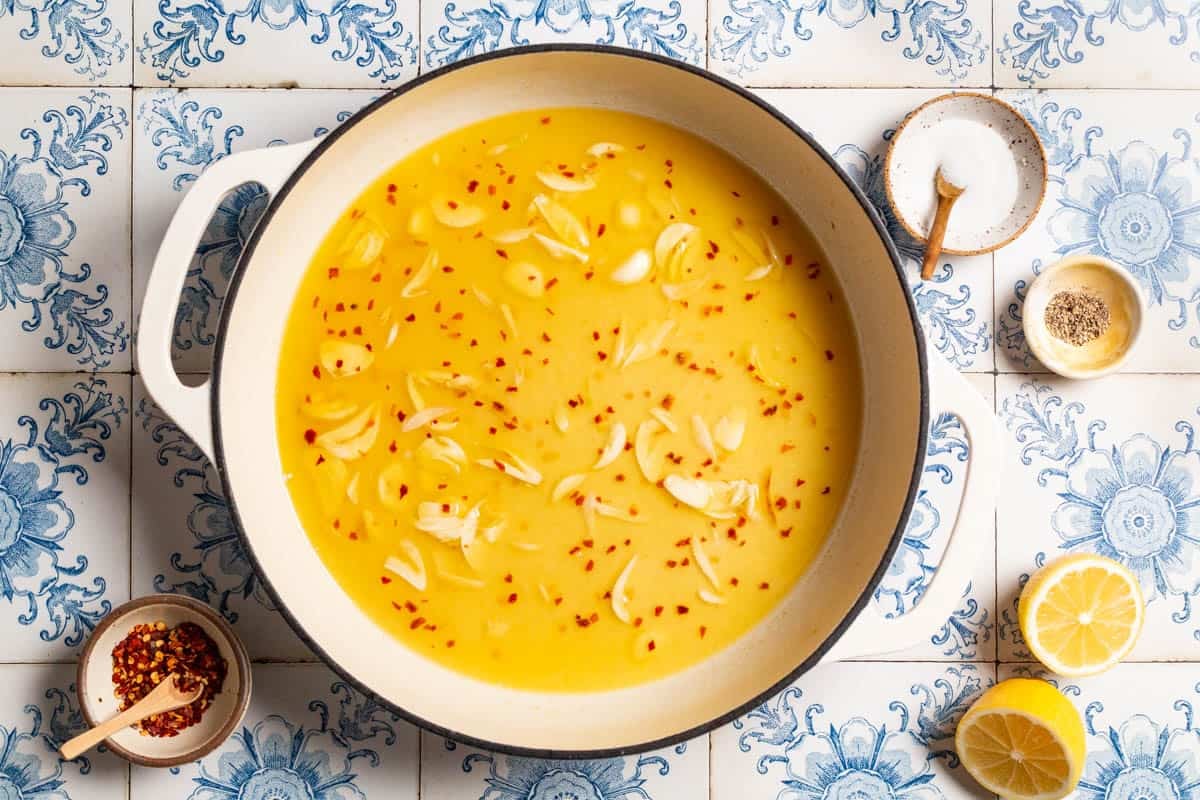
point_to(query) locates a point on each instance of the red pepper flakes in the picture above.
(150, 654)
(764, 585)
(502, 252)
(512, 598)
(703, 630)
(786, 532)
(658, 611)
(449, 643)
(316, 372)
(600, 230)
(733, 581)
(505, 205)
(310, 436)
(472, 186)
(591, 565)
(545, 120)
(681, 610)
(825, 490)
(508, 578)
(385, 580)
(650, 645)
(416, 623)
(333, 272)
(829, 355)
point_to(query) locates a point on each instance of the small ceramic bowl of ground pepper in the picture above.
(156, 638)
(1083, 316)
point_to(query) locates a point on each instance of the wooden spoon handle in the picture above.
(135, 713)
(937, 235)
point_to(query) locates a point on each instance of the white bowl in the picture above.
(97, 691)
(1069, 273)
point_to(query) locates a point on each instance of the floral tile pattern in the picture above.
(1123, 184)
(1112, 468)
(306, 735)
(450, 771)
(112, 111)
(853, 730)
(810, 42)
(64, 229)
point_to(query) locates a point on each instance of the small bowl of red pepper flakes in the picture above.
(157, 638)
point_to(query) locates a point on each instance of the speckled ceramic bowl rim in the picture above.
(1038, 286)
(887, 171)
(242, 665)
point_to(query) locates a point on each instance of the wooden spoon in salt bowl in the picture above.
(947, 193)
(167, 696)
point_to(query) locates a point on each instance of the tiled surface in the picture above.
(101, 497)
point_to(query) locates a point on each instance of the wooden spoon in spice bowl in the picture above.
(167, 696)
(947, 193)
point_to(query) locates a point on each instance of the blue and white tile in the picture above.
(66, 42)
(276, 43)
(852, 43)
(184, 539)
(64, 229)
(1098, 44)
(968, 634)
(452, 771)
(180, 134)
(64, 510)
(306, 735)
(1109, 467)
(455, 30)
(853, 730)
(1143, 743)
(856, 125)
(1124, 183)
(38, 712)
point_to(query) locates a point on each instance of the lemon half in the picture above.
(1081, 614)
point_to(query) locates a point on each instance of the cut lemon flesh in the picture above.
(1023, 740)
(1081, 614)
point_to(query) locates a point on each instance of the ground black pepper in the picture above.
(1077, 317)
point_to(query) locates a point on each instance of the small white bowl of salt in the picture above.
(984, 147)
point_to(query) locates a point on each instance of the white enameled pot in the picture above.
(232, 417)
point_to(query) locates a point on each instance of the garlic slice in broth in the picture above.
(411, 568)
(355, 437)
(344, 359)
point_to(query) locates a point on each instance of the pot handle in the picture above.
(873, 635)
(189, 405)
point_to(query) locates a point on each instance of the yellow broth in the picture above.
(551, 350)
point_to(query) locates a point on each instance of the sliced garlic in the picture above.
(648, 341)
(525, 278)
(703, 562)
(454, 214)
(482, 297)
(444, 451)
(451, 380)
(642, 450)
(514, 467)
(613, 512)
(629, 213)
(634, 269)
(711, 597)
(414, 394)
(613, 447)
(729, 430)
(604, 149)
(560, 250)
(344, 359)
(491, 533)
(672, 242)
(664, 416)
(355, 437)
(420, 224)
(678, 291)
(511, 236)
(423, 418)
(496, 628)
(526, 547)
(412, 569)
(758, 372)
(663, 202)
(391, 486)
(567, 485)
(363, 244)
(330, 410)
(703, 436)
(332, 477)
(561, 421)
(444, 522)
(561, 183)
(717, 499)
(393, 332)
(566, 226)
(415, 285)
(751, 243)
(620, 600)
(758, 273)
(689, 491)
(460, 580)
(352, 489)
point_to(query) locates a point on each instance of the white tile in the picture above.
(455, 30)
(64, 510)
(856, 125)
(1108, 466)
(1146, 738)
(852, 42)
(180, 134)
(870, 730)
(64, 229)
(306, 734)
(452, 771)
(282, 44)
(184, 538)
(65, 43)
(1123, 183)
(39, 711)
(1116, 44)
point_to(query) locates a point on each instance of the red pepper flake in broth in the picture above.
(667, 183)
(786, 532)
(764, 586)
(650, 645)
(591, 565)
(512, 598)
(703, 630)
(385, 580)
(310, 436)
(502, 253)
(600, 354)
(826, 490)
(545, 120)
(334, 272)
(600, 230)
(472, 186)
(411, 318)
(410, 606)
(416, 623)
(449, 643)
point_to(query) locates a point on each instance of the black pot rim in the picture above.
(715, 722)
